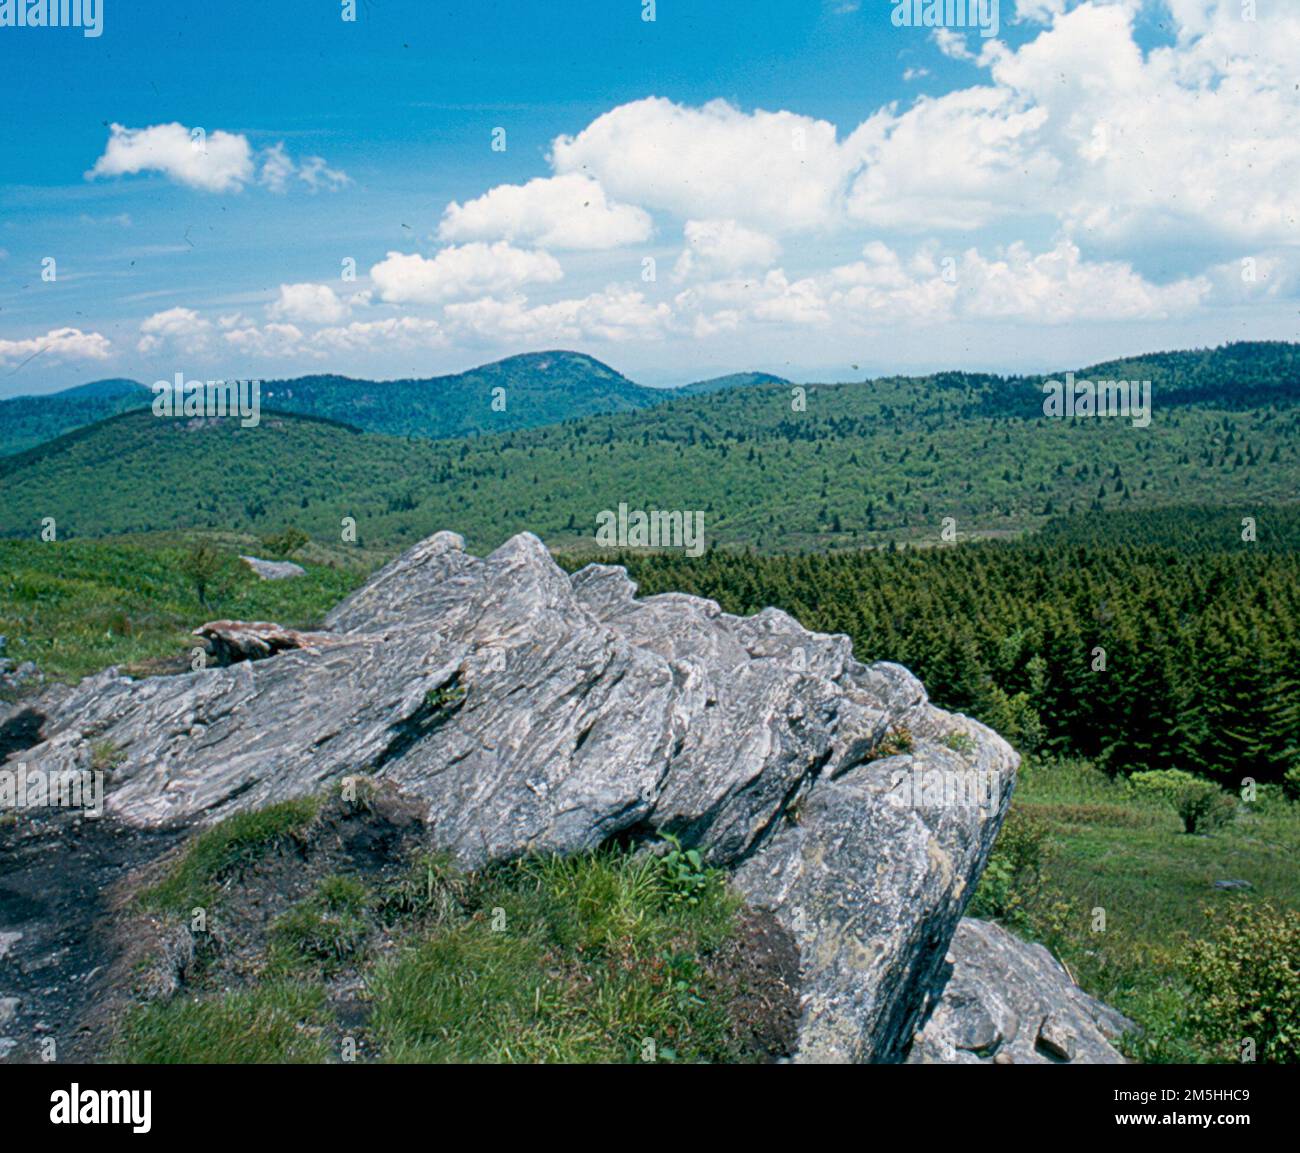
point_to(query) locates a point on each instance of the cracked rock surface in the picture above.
(528, 710)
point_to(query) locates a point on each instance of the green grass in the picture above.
(279, 1023)
(1110, 849)
(76, 607)
(323, 932)
(584, 959)
(223, 850)
(578, 959)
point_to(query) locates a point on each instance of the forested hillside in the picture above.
(519, 392)
(1134, 655)
(26, 421)
(834, 466)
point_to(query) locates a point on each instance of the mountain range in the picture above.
(767, 465)
(519, 392)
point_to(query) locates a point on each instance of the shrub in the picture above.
(1291, 783)
(1201, 805)
(201, 566)
(1245, 979)
(282, 545)
(1012, 878)
(683, 872)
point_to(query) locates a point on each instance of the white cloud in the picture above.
(617, 314)
(1056, 286)
(59, 343)
(316, 174)
(569, 211)
(181, 330)
(211, 161)
(405, 332)
(271, 340)
(723, 247)
(952, 44)
(465, 270)
(1059, 287)
(308, 303)
(1190, 141)
(1194, 142)
(774, 170)
(277, 168)
(1260, 276)
(955, 162)
(216, 162)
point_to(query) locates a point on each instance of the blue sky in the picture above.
(821, 193)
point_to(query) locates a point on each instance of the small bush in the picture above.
(282, 545)
(1245, 980)
(1291, 783)
(683, 872)
(1201, 805)
(1013, 877)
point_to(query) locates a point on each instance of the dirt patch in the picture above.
(759, 970)
(57, 874)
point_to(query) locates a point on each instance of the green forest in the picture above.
(1130, 650)
(772, 468)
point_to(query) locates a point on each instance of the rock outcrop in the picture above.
(527, 710)
(1002, 1001)
(274, 570)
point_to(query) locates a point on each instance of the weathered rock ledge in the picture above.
(531, 711)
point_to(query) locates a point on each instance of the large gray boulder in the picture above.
(530, 711)
(1000, 1000)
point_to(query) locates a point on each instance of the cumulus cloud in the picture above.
(270, 340)
(59, 343)
(569, 211)
(1059, 287)
(1258, 277)
(1056, 286)
(1193, 139)
(211, 161)
(308, 303)
(775, 170)
(181, 330)
(466, 270)
(214, 162)
(404, 332)
(723, 247)
(617, 314)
